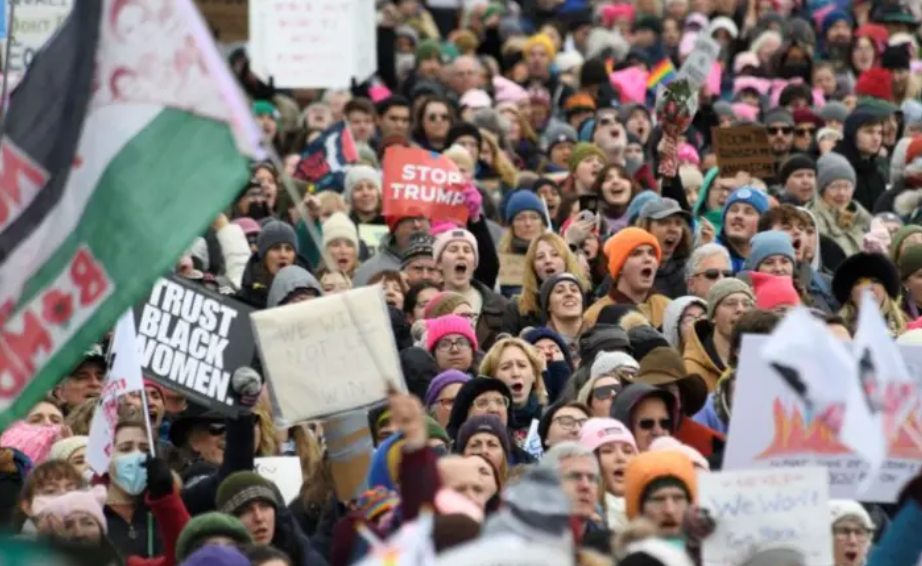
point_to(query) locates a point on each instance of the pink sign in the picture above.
(631, 83)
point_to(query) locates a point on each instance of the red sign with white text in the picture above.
(420, 183)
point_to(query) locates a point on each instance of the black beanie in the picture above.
(795, 163)
(593, 73)
(463, 129)
(895, 58)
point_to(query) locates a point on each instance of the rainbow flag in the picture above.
(663, 73)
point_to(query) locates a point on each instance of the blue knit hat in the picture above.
(766, 244)
(749, 195)
(642, 198)
(520, 201)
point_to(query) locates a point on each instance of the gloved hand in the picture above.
(698, 524)
(248, 385)
(159, 478)
(474, 202)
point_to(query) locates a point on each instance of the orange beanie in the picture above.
(649, 466)
(621, 245)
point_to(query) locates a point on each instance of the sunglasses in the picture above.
(606, 392)
(648, 424)
(438, 117)
(713, 274)
(805, 132)
(786, 130)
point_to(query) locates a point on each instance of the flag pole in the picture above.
(147, 425)
(6, 64)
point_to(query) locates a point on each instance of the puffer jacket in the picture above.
(697, 359)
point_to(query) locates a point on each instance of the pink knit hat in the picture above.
(33, 440)
(455, 235)
(773, 291)
(438, 328)
(507, 91)
(597, 432)
(62, 506)
(688, 154)
(249, 225)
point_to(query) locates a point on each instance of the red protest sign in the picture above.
(422, 183)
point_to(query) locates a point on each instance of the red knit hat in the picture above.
(914, 149)
(619, 247)
(773, 291)
(875, 82)
(876, 33)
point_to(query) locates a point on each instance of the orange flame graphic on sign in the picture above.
(794, 436)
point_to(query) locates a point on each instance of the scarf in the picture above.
(519, 246)
(523, 415)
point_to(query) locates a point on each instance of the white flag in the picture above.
(810, 359)
(124, 377)
(882, 393)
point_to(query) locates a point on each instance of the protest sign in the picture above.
(511, 269)
(697, 66)
(324, 161)
(761, 509)
(631, 83)
(423, 183)
(33, 26)
(124, 377)
(744, 148)
(313, 43)
(328, 355)
(771, 426)
(349, 448)
(284, 472)
(372, 234)
(192, 340)
(228, 19)
(506, 550)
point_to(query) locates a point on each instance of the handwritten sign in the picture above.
(349, 448)
(761, 509)
(284, 472)
(313, 43)
(423, 183)
(744, 148)
(511, 269)
(697, 67)
(34, 24)
(227, 18)
(770, 427)
(329, 355)
(192, 340)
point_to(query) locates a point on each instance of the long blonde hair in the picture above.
(490, 363)
(891, 311)
(504, 168)
(528, 299)
(268, 443)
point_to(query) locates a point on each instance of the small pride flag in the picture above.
(663, 73)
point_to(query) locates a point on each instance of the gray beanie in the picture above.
(356, 174)
(723, 289)
(274, 233)
(833, 167)
(778, 115)
(834, 110)
(723, 108)
(288, 280)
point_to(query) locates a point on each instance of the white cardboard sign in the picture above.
(284, 472)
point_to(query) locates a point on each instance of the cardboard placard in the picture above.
(760, 509)
(192, 340)
(511, 269)
(697, 66)
(744, 148)
(771, 427)
(325, 160)
(321, 356)
(423, 183)
(228, 19)
(350, 448)
(313, 43)
(284, 472)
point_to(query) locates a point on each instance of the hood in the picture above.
(288, 280)
(701, 204)
(647, 467)
(623, 406)
(673, 316)
(385, 463)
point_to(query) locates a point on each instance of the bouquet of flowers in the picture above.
(676, 105)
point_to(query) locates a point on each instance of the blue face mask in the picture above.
(130, 473)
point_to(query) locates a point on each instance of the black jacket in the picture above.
(199, 496)
(871, 183)
(670, 278)
(514, 321)
(490, 323)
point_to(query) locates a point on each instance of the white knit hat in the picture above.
(356, 174)
(849, 509)
(338, 226)
(607, 362)
(63, 449)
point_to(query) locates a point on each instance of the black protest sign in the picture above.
(192, 340)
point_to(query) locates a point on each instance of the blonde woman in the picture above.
(547, 255)
(496, 172)
(522, 138)
(518, 364)
(876, 273)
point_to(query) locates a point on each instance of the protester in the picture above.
(614, 447)
(707, 352)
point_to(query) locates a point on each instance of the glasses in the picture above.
(804, 132)
(446, 403)
(714, 274)
(737, 303)
(845, 532)
(438, 117)
(785, 130)
(606, 392)
(567, 422)
(485, 403)
(649, 424)
(446, 345)
(527, 217)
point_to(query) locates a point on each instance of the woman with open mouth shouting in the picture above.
(614, 447)
(516, 363)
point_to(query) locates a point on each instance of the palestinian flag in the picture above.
(124, 140)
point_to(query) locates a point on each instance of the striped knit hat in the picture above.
(376, 502)
(241, 488)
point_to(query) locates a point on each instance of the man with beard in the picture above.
(661, 486)
(634, 255)
(740, 222)
(780, 125)
(837, 38)
(707, 352)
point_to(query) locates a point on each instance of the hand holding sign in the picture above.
(420, 183)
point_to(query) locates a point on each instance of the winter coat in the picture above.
(254, 292)
(697, 358)
(290, 540)
(848, 233)
(670, 278)
(871, 181)
(138, 537)
(490, 321)
(171, 517)
(901, 544)
(515, 322)
(653, 308)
